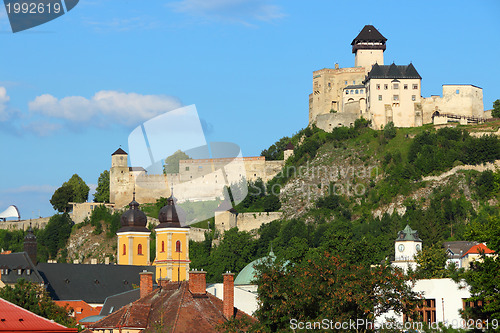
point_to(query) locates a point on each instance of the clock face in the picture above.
(418, 247)
(401, 247)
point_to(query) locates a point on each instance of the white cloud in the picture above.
(104, 107)
(4, 100)
(240, 11)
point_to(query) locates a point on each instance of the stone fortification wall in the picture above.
(244, 221)
(39, 223)
(329, 121)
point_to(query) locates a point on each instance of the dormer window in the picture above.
(19, 271)
(28, 271)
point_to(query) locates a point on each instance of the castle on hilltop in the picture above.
(384, 93)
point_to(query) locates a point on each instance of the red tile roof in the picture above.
(173, 309)
(13, 318)
(81, 309)
(477, 249)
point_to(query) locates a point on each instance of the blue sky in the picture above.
(73, 89)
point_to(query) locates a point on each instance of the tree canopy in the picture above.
(74, 190)
(172, 162)
(496, 109)
(102, 191)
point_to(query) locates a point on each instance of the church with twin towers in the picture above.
(386, 93)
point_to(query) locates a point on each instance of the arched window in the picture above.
(124, 249)
(162, 246)
(139, 249)
(178, 246)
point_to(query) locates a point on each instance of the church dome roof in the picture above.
(248, 274)
(168, 216)
(133, 219)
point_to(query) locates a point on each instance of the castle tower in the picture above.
(406, 247)
(369, 47)
(133, 237)
(288, 151)
(30, 244)
(119, 177)
(172, 245)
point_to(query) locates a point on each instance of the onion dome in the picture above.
(134, 219)
(168, 216)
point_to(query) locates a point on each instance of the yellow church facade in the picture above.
(172, 242)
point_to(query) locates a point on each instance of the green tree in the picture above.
(496, 109)
(54, 236)
(80, 189)
(172, 162)
(102, 191)
(74, 190)
(431, 263)
(325, 286)
(36, 299)
(275, 151)
(61, 197)
(389, 130)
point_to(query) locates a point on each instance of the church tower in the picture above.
(406, 247)
(133, 237)
(172, 245)
(368, 47)
(30, 245)
(119, 177)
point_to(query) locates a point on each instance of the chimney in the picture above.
(163, 282)
(106, 260)
(228, 301)
(146, 283)
(197, 282)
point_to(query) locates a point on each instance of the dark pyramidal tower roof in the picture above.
(119, 151)
(134, 219)
(369, 38)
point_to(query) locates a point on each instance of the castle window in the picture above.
(353, 82)
(357, 91)
(347, 92)
(395, 97)
(378, 86)
(405, 86)
(360, 91)
(395, 86)
(379, 97)
(178, 246)
(139, 249)
(413, 97)
(458, 91)
(386, 86)
(352, 91)
(124, 249)
(162, 246)
(187, 168)
(345, 83)
(415, 86)
(329, 84)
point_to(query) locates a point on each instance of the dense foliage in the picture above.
(172, 162)
(496, 109)
(54, 237)
(275, 151)
(36, 299)
(102, 191)
(74, 190)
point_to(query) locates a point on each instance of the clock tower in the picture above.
(406, 247)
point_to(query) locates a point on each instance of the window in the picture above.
(347, 92)
(187, 168)
(28, 272)
(19, 271)
(405, 87)
(178, 246)
(395, 97)
(378, 86)
(415, 86)
(162, 246)
(345, 83)
(139, 249)
(124, 249)
(458, 91)
(413, 97)
(353, 82)
(386, 86)
(395, 86)
(379, 97)
(361, 91)
(357, 91)
(329, 84)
